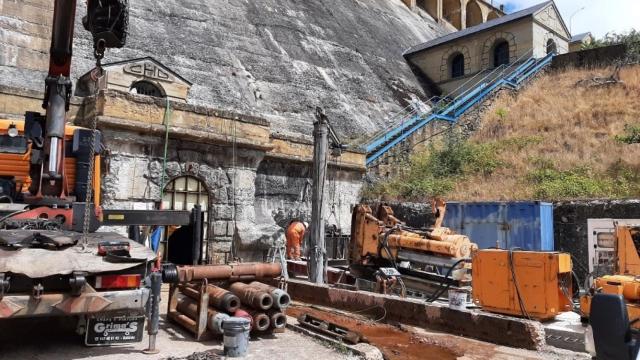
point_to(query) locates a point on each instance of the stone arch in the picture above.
(474, 14)
(548, 38)
(492, 41)
(447, 57)
(430, 6)
(147, 88)
(452, 12)
(492, 15)
(182, 192)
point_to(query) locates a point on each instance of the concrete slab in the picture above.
(566, 332)
(54, 338)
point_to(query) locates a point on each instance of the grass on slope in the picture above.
(554, 140)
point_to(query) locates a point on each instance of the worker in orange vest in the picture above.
(295, 234)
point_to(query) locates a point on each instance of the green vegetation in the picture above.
(631, 135)
(631, 39)
(621, 180)
(436, 171)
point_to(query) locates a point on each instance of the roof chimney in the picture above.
(502, 7)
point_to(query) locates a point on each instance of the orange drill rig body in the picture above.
(626, 278)
(385, 240)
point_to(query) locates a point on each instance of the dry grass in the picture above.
(576, 127)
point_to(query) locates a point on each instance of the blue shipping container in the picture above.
(525, 225)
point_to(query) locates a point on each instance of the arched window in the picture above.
(492, 15)
(474, 14)
(457, 65)
(552, 48)
(501, 53)
(146, 88)
(183, 193)
(452, 12)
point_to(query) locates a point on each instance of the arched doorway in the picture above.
(452, 12)
(501, 53)
(457, 65)
(552, 48)
(474, 14)
(183, 193)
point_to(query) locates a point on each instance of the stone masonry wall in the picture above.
(248, 216)
(278, 59)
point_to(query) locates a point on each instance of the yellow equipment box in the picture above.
(542, 286)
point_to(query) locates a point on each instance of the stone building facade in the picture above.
(450, 61)
(233, 86)
(457, 14)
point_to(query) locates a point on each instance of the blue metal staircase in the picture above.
(504, 76)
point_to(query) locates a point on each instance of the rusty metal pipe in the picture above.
(189, 307)
(281, 300)
(252, 297)
(233, 272)
(219, 298)
(184, 321)
(278, 319)
(457, 246)
(260, 321)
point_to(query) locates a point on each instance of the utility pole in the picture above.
(317, 252)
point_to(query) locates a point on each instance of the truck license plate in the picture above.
(112, 331)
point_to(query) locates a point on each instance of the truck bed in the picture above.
(40, 263)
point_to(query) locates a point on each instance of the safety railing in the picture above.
(477, 89)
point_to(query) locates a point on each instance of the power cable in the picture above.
(515, 284)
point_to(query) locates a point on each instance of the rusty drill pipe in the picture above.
(260, 321)
(233, 272)
(219, 298)
(189, 308)
(252, 297)
(281, 300)
(278, 319)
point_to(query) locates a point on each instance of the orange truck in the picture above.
(52, 262)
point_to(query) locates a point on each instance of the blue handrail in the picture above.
(458, 106)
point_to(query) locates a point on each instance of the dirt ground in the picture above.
(55, 339)
(410, 343)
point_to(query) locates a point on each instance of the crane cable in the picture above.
(96, 74)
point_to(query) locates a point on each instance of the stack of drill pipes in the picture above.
(264, 304)
(189, 308)
(219, 298)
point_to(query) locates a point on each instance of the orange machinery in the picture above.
(14, 160)
(16, 169)
(383, 240)
(537, 285)
(626, 280)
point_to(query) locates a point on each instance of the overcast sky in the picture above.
(598, 16)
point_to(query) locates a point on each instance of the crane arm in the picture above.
(107, 21)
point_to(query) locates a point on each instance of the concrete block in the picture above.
(498, 329)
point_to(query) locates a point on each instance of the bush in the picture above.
(436, 171)
(620, 180)
(631, 136)
(631, 39)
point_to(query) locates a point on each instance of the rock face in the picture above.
(275, 58)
